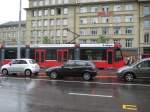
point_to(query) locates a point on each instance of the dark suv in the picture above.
(75, 68)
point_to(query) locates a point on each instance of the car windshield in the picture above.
(135, 63)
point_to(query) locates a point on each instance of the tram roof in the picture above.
(64, 45)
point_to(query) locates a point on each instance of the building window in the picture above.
(52, 11)
(93, 41)
(146, 23)
(65, 32)
(65, 21)
(93, 31)
(105, 19)
(129, 30)
(58, 11)
(94, 9)
(52, 22)
(66, 1)
(83, 41)
(45, 22)
(45, 12)
(46, 2)
(34, 24)
(52, 33)
(35, 13)
(129, 7)
(59, 1)
(83, 31)
(146, 38)
(58, 32)
(117, 8)
(94, 20)
(53, 2)
(83, 21)
(65, 10)
(40, 23)
(40, 33)
(45, 33)
(128, 42)
(41, 3)
(34, 3)
(117, 30)
(83, 10)
(40, 13)
(117, 19)
(57, 41)
(116, 41)
(146, 10)
(128, 18)
(105, 30)
(58, 22)
(34, 33)
(105, 9)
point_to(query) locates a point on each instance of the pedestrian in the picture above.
(128, 61)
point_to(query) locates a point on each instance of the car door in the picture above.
(67, 69)
(22, 66)
(144, 68)
(14, 66)
(78, 68)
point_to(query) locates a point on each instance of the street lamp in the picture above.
(19, 32)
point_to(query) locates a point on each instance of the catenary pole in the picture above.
(19, 31)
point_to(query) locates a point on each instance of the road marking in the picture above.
(86, 82)
(79, 94)
(129, 107)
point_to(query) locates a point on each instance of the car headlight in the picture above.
(47, 70)
(119, 71)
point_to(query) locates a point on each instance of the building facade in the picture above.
(9, 33)
(116, 21)
(144, 26)
(89, 21)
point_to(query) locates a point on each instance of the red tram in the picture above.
(47, 55)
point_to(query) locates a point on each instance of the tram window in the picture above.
(42, 57)
(10, 54)
(93, 54)
(65, 56)
(71, 55)
(51, 54)
(118, 55)
(32, 54)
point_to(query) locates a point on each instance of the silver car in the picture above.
(25, 66)
(140, 69)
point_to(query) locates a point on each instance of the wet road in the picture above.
(101, 95)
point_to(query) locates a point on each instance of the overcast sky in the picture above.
(9, 10)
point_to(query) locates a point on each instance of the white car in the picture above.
(25, 66)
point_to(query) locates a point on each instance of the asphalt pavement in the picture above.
(22, 94)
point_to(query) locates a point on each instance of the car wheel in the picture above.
(87, 76)
(53, 75)
(28, 72)
(129, 77)
(5, 72)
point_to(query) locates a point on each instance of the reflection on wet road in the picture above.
(101, 95)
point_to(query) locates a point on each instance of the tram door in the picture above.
(62, 55)
(110, 56)
(40, 55)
